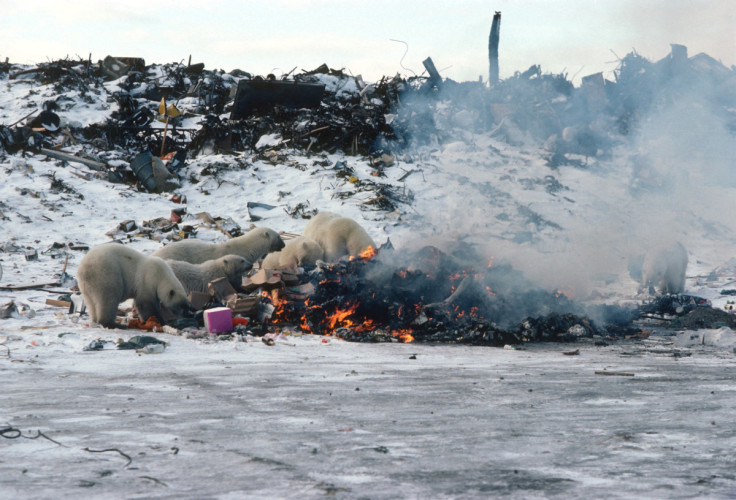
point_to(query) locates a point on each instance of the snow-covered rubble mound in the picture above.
(566, 184)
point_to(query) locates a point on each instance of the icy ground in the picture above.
(311, 417)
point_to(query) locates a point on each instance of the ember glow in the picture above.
(565, 293)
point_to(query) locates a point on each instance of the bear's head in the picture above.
(235, 265)
(276, 243)
(309, 252)
(176, 301)
(169, 290)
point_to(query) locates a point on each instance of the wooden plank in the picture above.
(30, 286)
(58, 303)
(60, 155)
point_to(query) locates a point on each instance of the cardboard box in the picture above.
(198, 300)
(218, 320)
(266, 279)
(221, 289)
(246, 306)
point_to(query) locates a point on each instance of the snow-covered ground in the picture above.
(309, 416)
(307, 419)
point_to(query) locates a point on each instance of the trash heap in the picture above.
(329, 110)
(160, 116)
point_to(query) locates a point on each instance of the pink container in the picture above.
(218, 320)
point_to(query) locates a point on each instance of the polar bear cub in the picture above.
(664, 267)
(112, 273)
(253, 245)
(301, 251)
(196, 277)
(338, 236)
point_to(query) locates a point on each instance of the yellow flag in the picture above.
(171, 111)
(162, 107)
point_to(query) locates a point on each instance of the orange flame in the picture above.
(364, 326)
(278, 303)
(341, 319)
(368, 253)
(404, 335)
(340, 316)
(303, 323)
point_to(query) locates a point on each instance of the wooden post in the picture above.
(493, 40)
(163, 140)
(434, 75)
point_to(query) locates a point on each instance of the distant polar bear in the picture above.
(664, 267)
(301, 251)
(338, 236)
(112, 273)
(252, 246)
(196, 277)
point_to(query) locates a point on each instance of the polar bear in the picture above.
(112, 273)
(301, 251)
(252, 246)
(196, 277)
(664, 267)
(338, 236)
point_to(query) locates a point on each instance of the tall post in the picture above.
(434, 75)
(493, 49)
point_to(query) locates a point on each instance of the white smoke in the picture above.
(671, 178)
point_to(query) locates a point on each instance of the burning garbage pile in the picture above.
(377, 297)
(437, 298)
